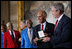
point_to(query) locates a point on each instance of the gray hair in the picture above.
(59, 6)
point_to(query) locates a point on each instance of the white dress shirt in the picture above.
(11, 33)
(44, 25)
(60, 18)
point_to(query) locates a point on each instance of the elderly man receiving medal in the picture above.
(43, 30)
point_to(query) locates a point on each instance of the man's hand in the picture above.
(45, 34)
(35, 40)
(20, 39)
(46, 39)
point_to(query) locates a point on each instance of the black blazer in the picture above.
(49, 29)
(62, 33)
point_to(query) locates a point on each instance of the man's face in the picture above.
(22, 25)
(40, 17)
(2, 28)
(28, 23)
(10, 26)
(54, 12)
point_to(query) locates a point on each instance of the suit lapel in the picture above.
(46, 27)
(60, 23)
(32, 33)
(15, 35)
(27, 35)
(39, 28)
(9, 36)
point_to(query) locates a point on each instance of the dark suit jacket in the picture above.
(8, 42)
(62, 33)
(49, 29)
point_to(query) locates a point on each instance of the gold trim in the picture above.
(20, 13)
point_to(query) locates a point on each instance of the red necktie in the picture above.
(42, 27)
(55, 25)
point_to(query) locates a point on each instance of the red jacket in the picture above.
(8, 42)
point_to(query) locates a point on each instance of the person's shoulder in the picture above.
(5, 33)
(50, 23)
(24, 30)
(16, 30)
(32, 27)
(66, 18)
(37, 26)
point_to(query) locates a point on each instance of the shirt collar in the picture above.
(44, 23)
(11, 33)
(60, 17)
(29, 29)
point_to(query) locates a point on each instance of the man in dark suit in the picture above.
(62, 30)
(44, 26)
(11, 37)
